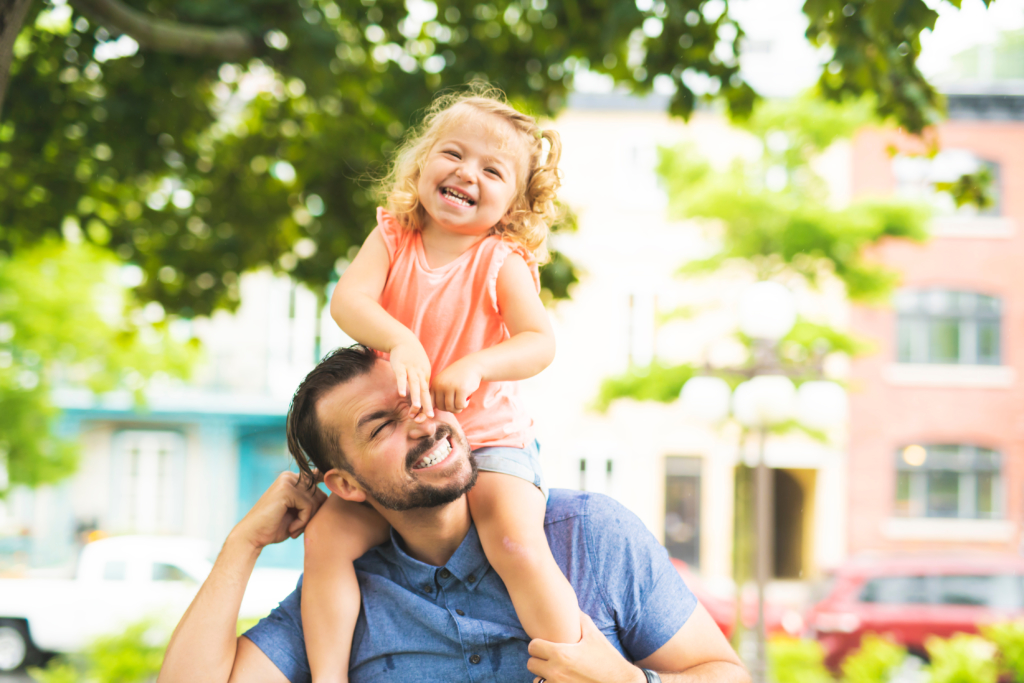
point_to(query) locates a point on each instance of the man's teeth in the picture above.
(456, 196)
(440, 453)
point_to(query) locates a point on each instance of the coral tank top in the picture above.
(453, 311)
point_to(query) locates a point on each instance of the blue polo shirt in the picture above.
(419, 622)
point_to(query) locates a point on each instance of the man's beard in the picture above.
(419, 494)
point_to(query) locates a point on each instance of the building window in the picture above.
(148, 487)
(940, 326)
(952, 481)
(682, 509)
(919, 177)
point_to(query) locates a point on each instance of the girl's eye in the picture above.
(493, 172)
(454, 155)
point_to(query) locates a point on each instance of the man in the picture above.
(433, 610)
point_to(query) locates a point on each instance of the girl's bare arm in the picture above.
(355, 307)
(531, 346)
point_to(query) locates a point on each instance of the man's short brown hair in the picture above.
(313, 445)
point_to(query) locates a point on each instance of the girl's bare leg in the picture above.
(339, 533)
(509, 517)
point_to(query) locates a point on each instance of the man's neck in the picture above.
(432, 535)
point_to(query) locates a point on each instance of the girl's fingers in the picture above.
(414, 391)
(428, 406)
(400, 374)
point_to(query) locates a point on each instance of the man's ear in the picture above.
(344, 485)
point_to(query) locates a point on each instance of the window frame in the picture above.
(922, 314)
(913, 495)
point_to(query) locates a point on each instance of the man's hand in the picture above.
(281, 512)
(454, 385)
(592, 660)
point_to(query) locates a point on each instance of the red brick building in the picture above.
(937, 411)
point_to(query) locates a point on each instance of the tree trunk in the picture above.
(12, 16)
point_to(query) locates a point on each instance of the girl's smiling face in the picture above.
(470, 176)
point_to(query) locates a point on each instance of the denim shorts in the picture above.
(519, 462)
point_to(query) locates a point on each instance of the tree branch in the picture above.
(12, 16)
(159, 35)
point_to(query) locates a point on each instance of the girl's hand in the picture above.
(454, 385)
(412, 370)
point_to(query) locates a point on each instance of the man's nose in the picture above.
(419, 430)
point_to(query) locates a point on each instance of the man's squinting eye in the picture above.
(380, 427)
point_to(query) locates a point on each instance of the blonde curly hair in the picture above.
(533, 209)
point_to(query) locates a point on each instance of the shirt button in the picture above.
(445, 573)
(460, 613)
(471, 578)
(474, 659)
(428, 589)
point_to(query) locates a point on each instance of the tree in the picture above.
(198, 169)
(64, 317)
(771, 218)
(244, 134)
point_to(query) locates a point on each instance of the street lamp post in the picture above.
(768, 398)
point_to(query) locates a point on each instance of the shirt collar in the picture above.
(468, 563)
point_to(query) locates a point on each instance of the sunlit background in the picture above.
(907, 297)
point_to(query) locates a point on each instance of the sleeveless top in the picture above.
(453, 311)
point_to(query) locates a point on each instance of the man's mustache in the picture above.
(443, 431)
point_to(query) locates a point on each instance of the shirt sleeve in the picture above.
(279, 636)
(648, 597)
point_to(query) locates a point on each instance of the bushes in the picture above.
(791, 660)
(133, 656)
(995, 655)
(877, 660)
(1009, 639)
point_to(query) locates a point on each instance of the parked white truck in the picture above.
(118, 581)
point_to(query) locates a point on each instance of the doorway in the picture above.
(682, 509)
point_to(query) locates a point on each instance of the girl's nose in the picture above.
(465, 173)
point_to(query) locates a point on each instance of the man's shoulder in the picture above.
(596, 515)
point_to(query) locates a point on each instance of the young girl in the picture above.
(447, 285)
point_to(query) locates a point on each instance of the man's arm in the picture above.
(204, 647)
(697, 653)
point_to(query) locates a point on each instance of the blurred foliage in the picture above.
(65, 318)
(971, 188)
(875, 661)
(655, 382)
(131, 656)
(1009, 639)
(876, 44)
(962, 658)
(198, 170)
(791, 660)
(771, 215)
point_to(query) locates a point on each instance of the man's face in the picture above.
(400, 463)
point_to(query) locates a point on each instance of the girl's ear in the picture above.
(344, 485)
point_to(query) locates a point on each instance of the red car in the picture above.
(723, 610)
(912, 597)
